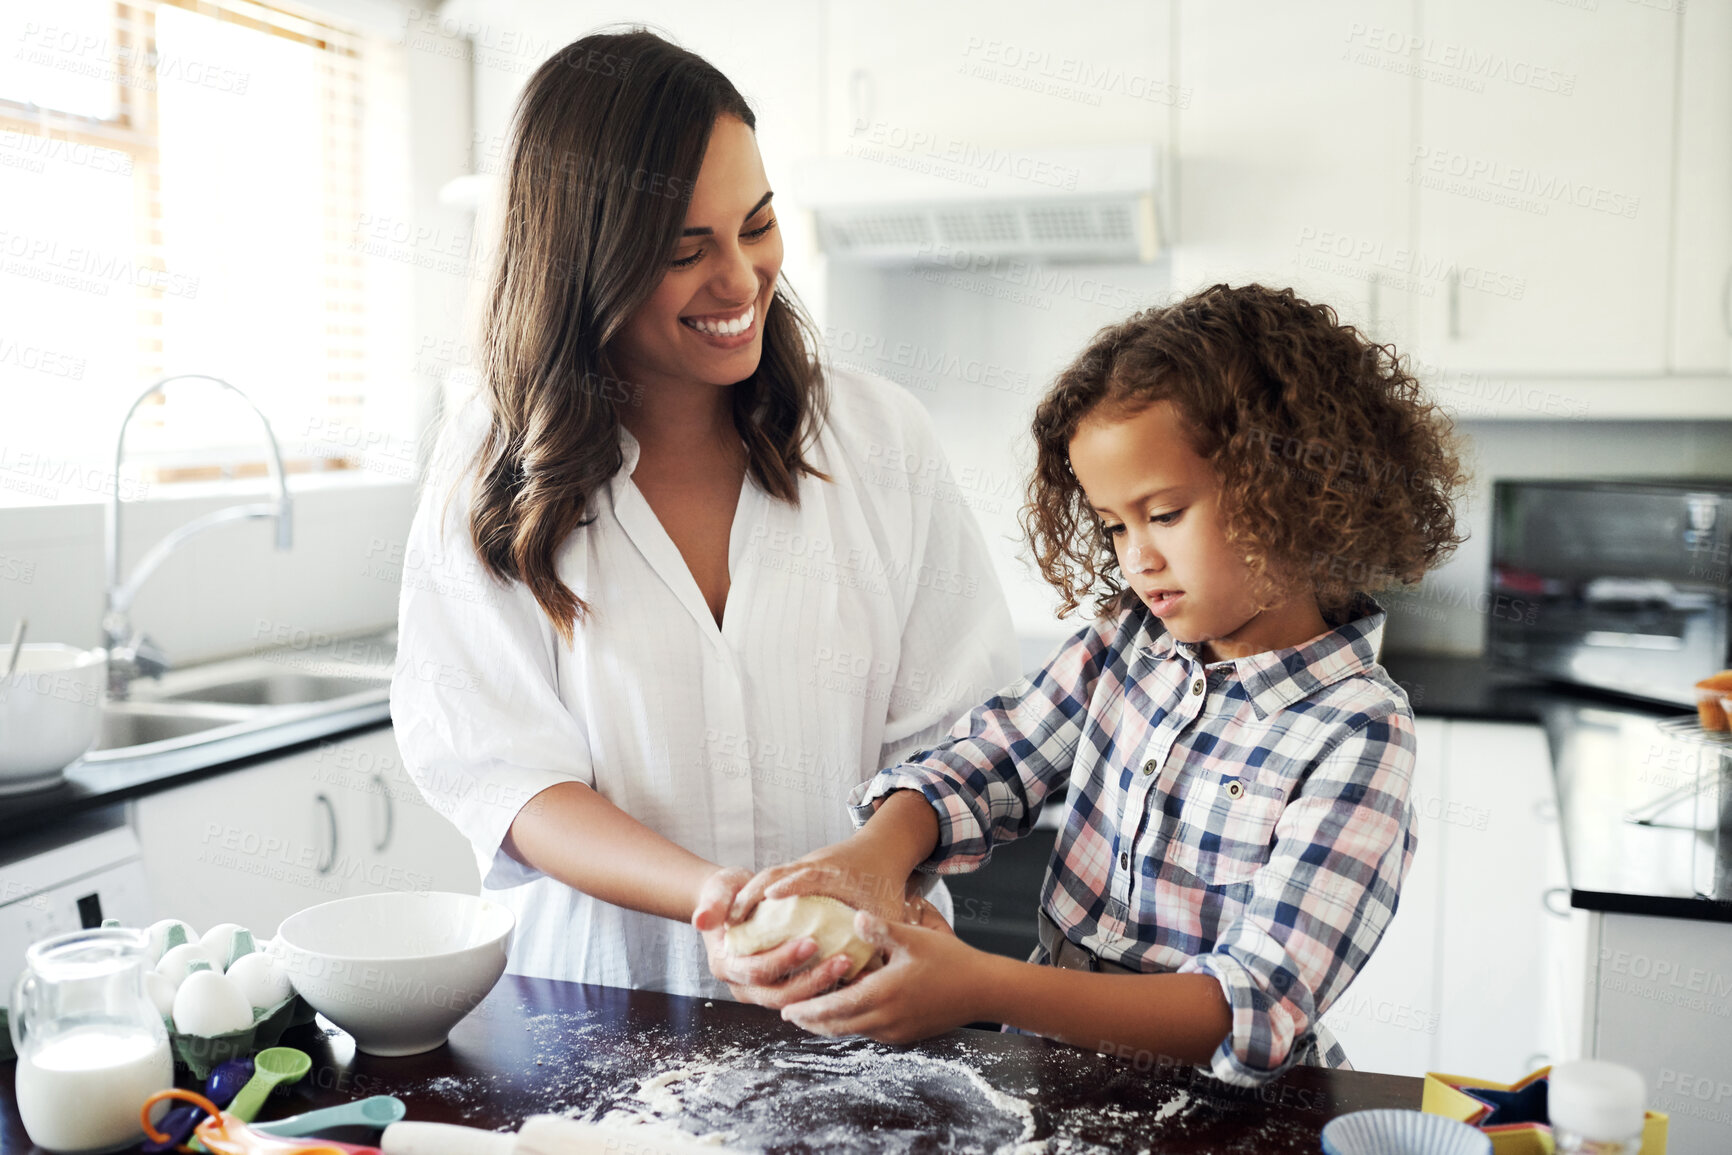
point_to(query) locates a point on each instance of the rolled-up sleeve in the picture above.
(988, 779)
(475, 696)
(1320, 904)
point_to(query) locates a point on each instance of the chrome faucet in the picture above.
(130, 653)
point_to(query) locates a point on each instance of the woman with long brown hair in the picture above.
(682, 587)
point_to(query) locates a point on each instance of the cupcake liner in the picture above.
(1395, 1132)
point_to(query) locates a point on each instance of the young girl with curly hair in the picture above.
(1227, 476)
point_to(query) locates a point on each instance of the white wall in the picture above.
(225, 591)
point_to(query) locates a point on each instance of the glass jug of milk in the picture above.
(91, 1045)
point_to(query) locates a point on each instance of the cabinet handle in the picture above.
(1726, 302)
(330, 859)
(860, 102)
(1551, 899)
(390, 813)
(1454, 305)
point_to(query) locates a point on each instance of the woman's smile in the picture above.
(726, 330)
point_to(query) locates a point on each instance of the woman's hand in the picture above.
(763, 978)
(930, 983)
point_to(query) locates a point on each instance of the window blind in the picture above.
(194, 180)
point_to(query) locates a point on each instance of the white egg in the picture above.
(156, 937)
(260, 979)
(207, 1003)
(161, 990)
(219, 942)
(174, 963)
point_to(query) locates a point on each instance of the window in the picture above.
(189, 186)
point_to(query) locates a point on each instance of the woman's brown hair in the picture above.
(609, 135)
(1336, 473)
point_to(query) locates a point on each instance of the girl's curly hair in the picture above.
(1336, 473)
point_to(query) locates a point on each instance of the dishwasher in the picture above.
(73, 875)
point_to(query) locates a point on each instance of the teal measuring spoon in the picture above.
(378, 1111)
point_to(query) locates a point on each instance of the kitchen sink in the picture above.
(125, 728)
(218, 711)
(279, 689)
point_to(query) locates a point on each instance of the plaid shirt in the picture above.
(1247, 819)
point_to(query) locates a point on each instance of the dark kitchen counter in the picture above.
(1609, 757)
(1467, 688)
(535, 1046)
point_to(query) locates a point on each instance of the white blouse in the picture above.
(858, 627)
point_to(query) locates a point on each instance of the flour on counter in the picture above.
(1173, 1106)
(821, 1096)
(803, 1096)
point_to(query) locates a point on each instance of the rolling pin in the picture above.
(541, 1135)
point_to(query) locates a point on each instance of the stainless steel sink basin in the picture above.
(218, 711)
(132, 728)
(278, 689)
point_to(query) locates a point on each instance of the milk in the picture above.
(81, 1090)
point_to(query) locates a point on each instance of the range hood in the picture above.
(899, 201)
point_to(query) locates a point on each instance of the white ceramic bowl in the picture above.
(396, 970)
(50, 712)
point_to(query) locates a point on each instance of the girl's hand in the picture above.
(929, 984)
(919, 912)
(844, 870)
(763, 978)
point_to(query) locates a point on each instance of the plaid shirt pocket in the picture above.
(1226, 825)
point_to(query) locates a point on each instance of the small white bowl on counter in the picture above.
(396, 970)
(50, 712)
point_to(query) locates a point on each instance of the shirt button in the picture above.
(1150, 767)
(1124, 860)
(1197, 686)
(1235, 789)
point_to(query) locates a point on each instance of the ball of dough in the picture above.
(828, 921)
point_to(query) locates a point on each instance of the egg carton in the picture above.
(200, 1053)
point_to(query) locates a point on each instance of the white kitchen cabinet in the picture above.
(1502, 828)
(1388, 1018)
(389, 837)
(255, 845)
(1292, 153)
(953, 88)
(1463, 981)
(1662, 1000)
(1702, 259)
(251, 846)
(1543, 169)
(1568, 957)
